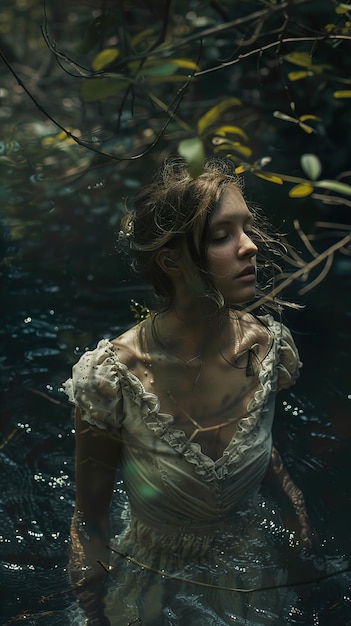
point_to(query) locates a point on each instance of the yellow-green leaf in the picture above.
(194, 153)
(299, 75)
(301, 191)
(186, 63)
(272, 178)
(306, 128)
(213, 114)
(93, 89)
(244, 150)
(299, 58)
(141, 36)
(346, 93)
(242, 168)
(303, 118)
(342, 8)
(103, 58)
(228, 130)
(303, 59)
(224, 144)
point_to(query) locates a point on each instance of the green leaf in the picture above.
(105, 57)
(193, 151)
(175, 78)
(93, 89)
(213, 114)
(165, 69)
(346, 93)
(334, 185)
(301, 191)
(311, 165)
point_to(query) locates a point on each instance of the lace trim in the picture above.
(161, 423)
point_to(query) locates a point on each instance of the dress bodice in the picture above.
(169, 480)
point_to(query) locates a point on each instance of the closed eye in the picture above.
(219, 239)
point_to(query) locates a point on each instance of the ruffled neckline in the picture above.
(161, 424)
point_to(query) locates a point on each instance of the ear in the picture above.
(167, 259)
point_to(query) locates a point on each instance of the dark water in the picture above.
(58, 304)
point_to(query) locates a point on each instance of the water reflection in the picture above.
(36, 461)
(47, 325)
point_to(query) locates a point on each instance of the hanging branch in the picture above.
(261, 49)
(169, 109)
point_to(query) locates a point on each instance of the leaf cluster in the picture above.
(265, 85)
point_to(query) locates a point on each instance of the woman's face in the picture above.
(231, 254)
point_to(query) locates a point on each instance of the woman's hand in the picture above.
(87, 574)
(297, 519)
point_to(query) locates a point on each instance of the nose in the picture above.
(247, 247)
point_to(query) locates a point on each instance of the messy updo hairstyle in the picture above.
(174, 211)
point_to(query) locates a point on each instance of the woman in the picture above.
(184, 403)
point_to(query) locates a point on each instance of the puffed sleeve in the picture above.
(95, 387)
(289, 363)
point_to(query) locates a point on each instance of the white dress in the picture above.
(199, 528)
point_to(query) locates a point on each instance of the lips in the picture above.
(249, 270)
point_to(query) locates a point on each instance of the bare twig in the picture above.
(326, 37)
(46, 396)
(305, 239)
(322, 275)
(326, 199)
(9, 437)
(332, 225)
(299, 273)
(199, 583)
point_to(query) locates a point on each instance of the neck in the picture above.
(191, 332)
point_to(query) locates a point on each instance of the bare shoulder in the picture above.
(253, 331)
(249, 321)
(129, 346)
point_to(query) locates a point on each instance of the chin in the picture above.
(236, 300)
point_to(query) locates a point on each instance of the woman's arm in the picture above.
(97, 456)
(279, 479)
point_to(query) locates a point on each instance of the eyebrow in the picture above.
(223, 222)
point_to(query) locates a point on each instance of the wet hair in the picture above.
(174, 211)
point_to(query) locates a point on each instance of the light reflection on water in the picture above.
(37, 451)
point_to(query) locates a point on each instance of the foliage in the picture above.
(264, 84)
